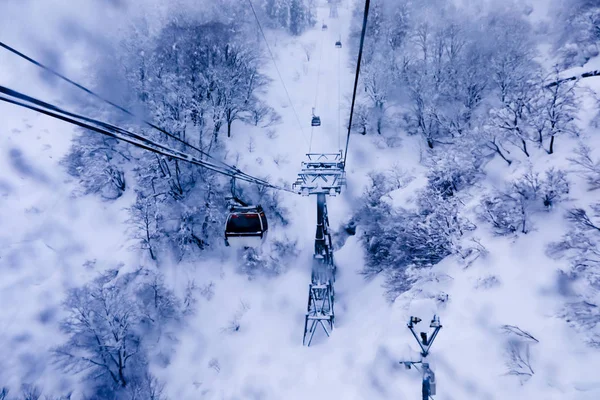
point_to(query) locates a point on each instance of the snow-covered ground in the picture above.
(51, 241)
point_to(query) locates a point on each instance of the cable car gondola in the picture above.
(246, 226)
(316, 120)
(324, 27)
(338, 44)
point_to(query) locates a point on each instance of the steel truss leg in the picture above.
(321, 295)
(319, 312)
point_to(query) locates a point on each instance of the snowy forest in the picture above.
(472, 178)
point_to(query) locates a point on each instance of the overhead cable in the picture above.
(10, 96)
(278, 72)
(94, 94)
(360, 52)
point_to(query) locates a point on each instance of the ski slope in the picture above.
(265, 359)
(52, 241)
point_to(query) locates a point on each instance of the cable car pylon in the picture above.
(321, 175)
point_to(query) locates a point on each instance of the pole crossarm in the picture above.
(322, 173)
(425, 342)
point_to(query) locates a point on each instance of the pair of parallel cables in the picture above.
(20, 99)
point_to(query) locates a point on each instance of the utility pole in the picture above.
(425, 341)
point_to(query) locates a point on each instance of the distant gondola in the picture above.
(324, 27)
(316, 121)
(338, 44)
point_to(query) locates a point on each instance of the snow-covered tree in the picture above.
(193, 79)
(453, 171)
(559, 108)
(581, 247)
(510, 210)
(514, 76)
(97, 162)
(112, 325)
(579, 30)
(398, 240)
(204, 74)
(293, 15)
(588, 167)
(518, 352)
(102, 337)
(297, 17)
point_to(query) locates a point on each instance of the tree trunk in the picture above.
(216, 130)
(177, 176)
(430, 143)
(148, 239)
(229, 128)
(500, 152)
(121, 373)
(551, 151)
(524, 215)
(152, 255)
(525, 147)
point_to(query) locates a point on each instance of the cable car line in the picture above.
(124, 135)
(244, 223)
(360, 52)
(339, 116)
(319, 70)
(314, 115)
(278, 72)
(104, 125)
(94, 94)
(339, 73)
(131, 138)
(331, 169)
